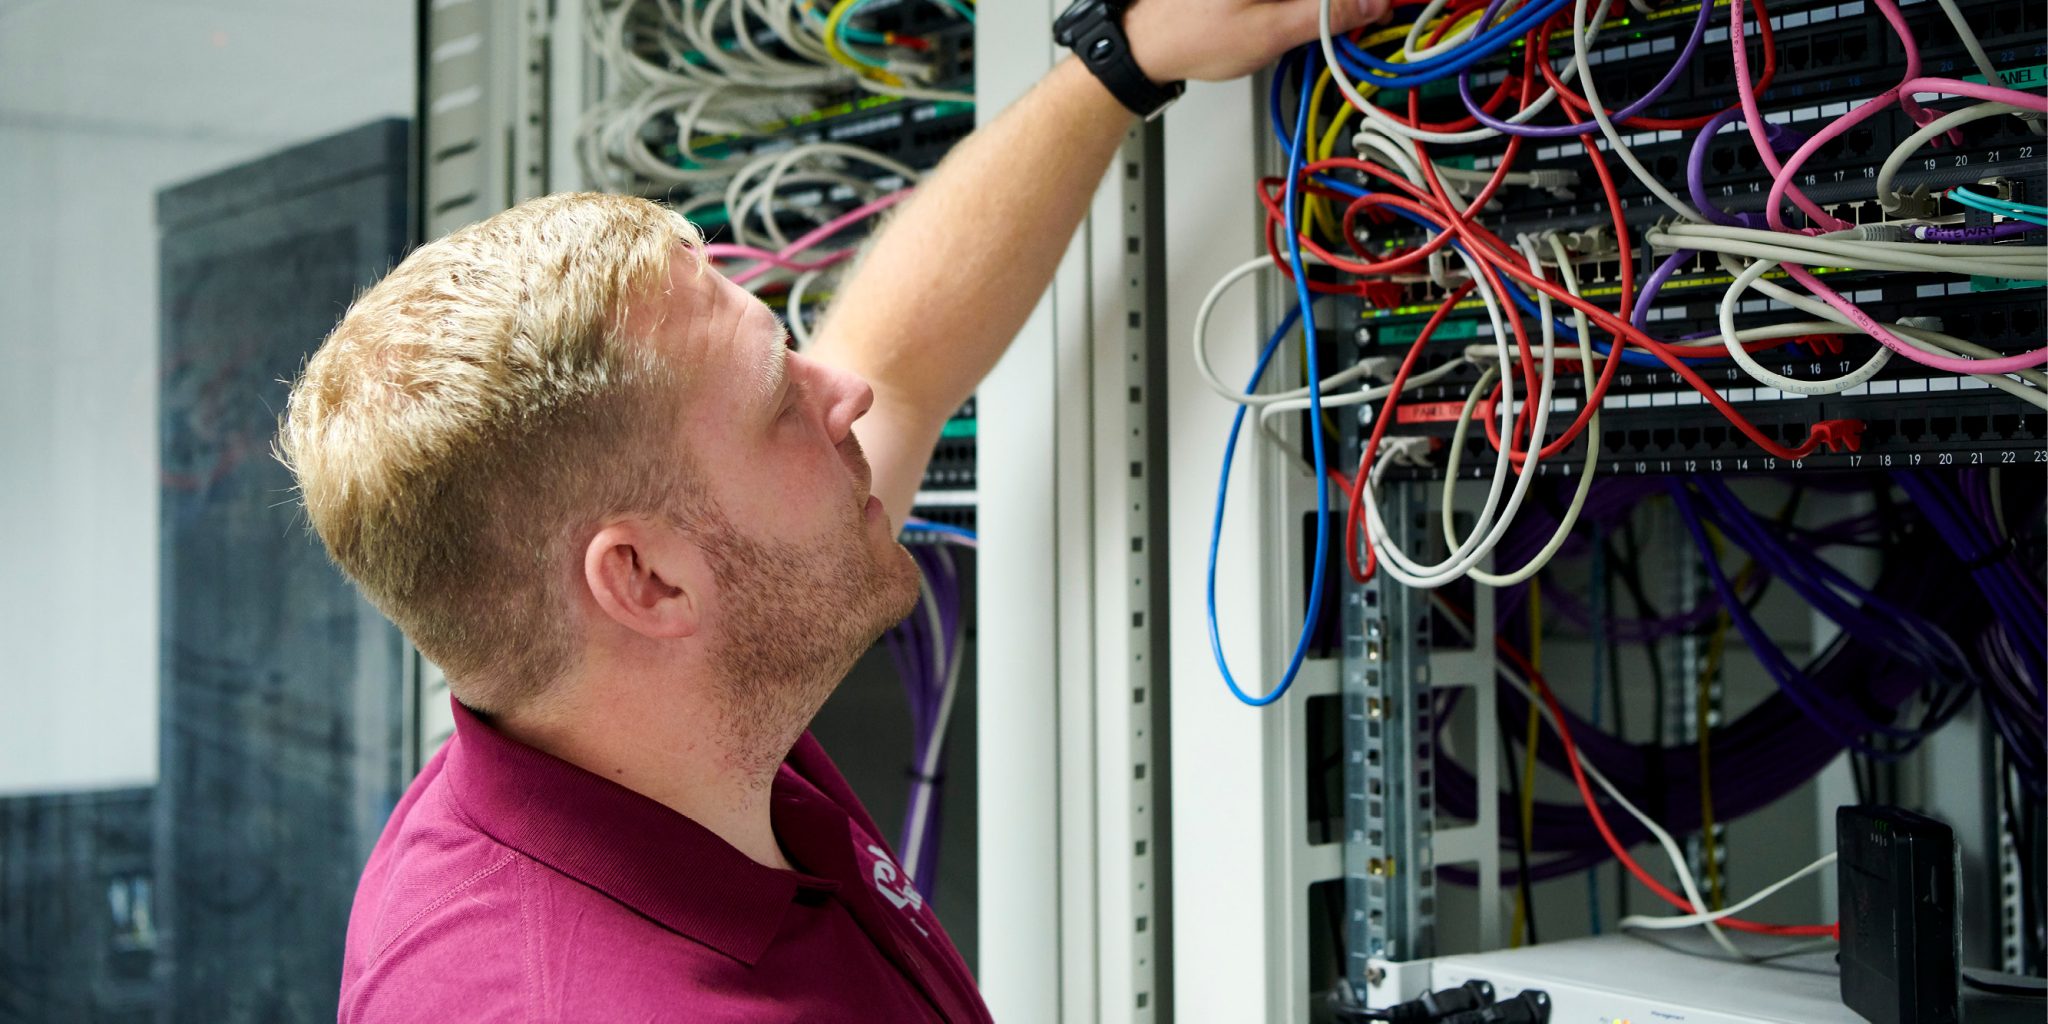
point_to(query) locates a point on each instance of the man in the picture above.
(645, 540)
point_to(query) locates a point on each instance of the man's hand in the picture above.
(1218, 40)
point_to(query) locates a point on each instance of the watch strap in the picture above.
(1093, 29)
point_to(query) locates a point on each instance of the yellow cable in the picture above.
(1319, 210)
(1316, 209)
(1709, 670)
(838, 53)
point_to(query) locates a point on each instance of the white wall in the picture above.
(102, 103)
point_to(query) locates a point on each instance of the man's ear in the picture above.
(647, 576)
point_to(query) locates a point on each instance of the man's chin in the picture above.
(902, 580)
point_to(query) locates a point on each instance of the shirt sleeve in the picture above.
(468, 955)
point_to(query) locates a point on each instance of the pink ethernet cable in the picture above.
(729, 251)
(1912, 84)
(1753, 117)
(819, 234)
(1862, 320)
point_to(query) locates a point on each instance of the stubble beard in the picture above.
(793, 622)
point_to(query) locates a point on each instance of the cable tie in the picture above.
(1839, 435)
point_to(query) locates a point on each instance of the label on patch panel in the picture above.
(1429, 412)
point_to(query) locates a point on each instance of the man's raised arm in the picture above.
(947, 283)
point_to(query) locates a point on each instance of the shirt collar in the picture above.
(650, 858)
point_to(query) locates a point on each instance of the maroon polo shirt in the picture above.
(512, 885)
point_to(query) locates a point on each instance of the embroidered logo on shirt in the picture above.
(896, 887)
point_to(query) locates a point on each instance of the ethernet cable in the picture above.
(1681, 66)
(890, 77)
(1971, 44)
(1394, 125)
(2029, 212)
(756, 183)
(1581, 63)
(1513, 672)
(1206, 310)
(1887, 173)
(1929, 341)
(1825, 250)
(824, 231)
(948, 650)
(1489, 528)
(1913, 85)
(1648, 923)
(1305, 302)
(1765, 375)
(793, 306)
(1587, 471)
(1919, 337)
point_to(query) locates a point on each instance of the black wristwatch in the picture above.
(1094, 30)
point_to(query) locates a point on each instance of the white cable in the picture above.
(794, 307)
(1581, 50)
(1487, 530)
(1696, 920)
(1789, 248)
(1844, 247)
(1970, 42)
(1664, 840)
(2015, 384)
(1388, 122)
(1764, 374)
(1570, 519)
(1887, 197)
(914, 92)
(743, 192)
(1207, 308)
(949, 652)
(1275, 409)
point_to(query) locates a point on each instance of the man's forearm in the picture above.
(952, 277)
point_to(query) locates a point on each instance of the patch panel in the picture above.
(952, 465)
(914, 132)
(1831, 56)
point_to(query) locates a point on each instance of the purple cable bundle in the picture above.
(1565, 131)
(2013, 640)
(1906, 629)
(927, 648)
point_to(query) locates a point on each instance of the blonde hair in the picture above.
(473, 410)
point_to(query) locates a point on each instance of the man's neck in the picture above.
(690, 760)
